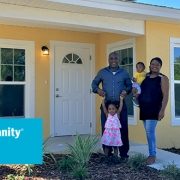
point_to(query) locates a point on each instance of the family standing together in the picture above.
(150, 92)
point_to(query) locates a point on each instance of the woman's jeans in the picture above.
(150, 126)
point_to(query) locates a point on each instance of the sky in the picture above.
(168, 3)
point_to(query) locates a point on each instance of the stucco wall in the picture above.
(42, 36)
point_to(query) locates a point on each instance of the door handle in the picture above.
(57, 95)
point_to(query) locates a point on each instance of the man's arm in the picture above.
(95, 85)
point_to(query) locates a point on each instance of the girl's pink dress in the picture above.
(112, 135)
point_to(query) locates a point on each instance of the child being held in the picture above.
(111, 135)
(139, 76)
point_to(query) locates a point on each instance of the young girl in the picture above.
(111, 135)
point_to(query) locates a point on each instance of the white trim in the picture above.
(52, 83)
(29, 47)
(174, 42)
(44, 17)
(123, 45)
(113, 8)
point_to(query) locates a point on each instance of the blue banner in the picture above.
(21, 141)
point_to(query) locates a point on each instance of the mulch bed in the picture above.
(99, 169)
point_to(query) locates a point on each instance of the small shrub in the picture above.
(66, 163)
(82, 149)
(79, 172)
(171, 171)
(136, 161)
(78, 156)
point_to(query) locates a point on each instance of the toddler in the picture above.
(111, 135)
(139, 76)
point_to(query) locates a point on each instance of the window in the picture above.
(72, 58)
(12, 69)
(175, 80)
(16, 78)
(126, 51)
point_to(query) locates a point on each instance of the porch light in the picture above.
(45, 50)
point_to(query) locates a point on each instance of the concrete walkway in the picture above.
(58, 145)
(164, 158)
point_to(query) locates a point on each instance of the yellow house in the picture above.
(80, 35)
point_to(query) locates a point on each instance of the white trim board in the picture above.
(40, 17)
(174, 42)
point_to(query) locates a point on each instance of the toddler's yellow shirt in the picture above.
(140, 77)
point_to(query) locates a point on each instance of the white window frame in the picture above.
(29, 83)
(174, 42)
(125, 44)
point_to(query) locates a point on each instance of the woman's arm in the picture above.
(120, 106)
(165, 91)
(104, 108)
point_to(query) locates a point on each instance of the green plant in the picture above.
(15, 177)
(79, 171)
(171, 171)
(78, 156)
(66, 163)
(82, 149)
(136, 161)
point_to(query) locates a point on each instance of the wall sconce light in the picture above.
(45, 50)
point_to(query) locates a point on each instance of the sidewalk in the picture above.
(163, 157)
(58, 145)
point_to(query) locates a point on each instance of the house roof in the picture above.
(57, 13)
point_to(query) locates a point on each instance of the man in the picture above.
(115, 82)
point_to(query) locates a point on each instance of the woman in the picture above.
(152, 102)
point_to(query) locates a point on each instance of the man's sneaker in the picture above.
(135, 102)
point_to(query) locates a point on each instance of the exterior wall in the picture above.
(42, 36)
(136, 132)
(157, 43)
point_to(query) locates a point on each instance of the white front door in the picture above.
(72, 90)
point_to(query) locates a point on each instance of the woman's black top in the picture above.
(150, 99)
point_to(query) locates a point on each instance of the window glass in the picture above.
(12, 64)
(12, 69)
(72, 58)
(11, 100)
(176, 63)
(6, 56)
(177, 100)
(19, 56)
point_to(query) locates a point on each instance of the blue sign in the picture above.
(21, 141)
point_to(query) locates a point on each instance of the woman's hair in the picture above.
(114, 103)
(156, 59)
